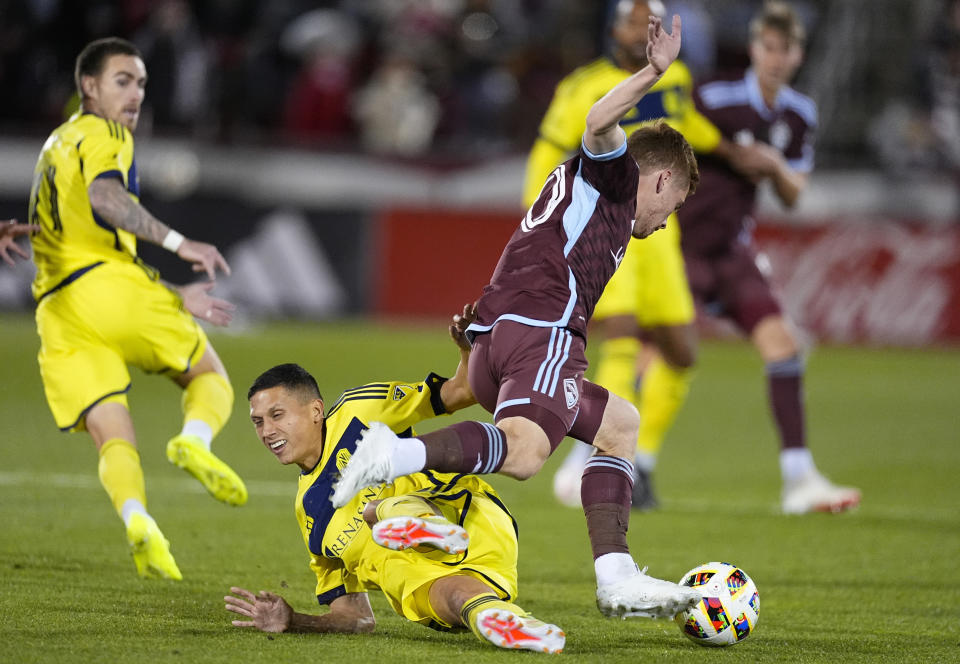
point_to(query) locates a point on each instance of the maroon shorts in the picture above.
(537, 373)
(731, 286)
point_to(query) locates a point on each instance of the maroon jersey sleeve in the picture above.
(615, 175)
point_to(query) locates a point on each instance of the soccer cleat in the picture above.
(150, 549)
(566, 485)
(189, 453)
(643, 498)
(405, 532)
(370, 464)
(815, 493)
(506, 629)
(643, 596)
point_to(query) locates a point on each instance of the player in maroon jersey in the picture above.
(528, 359)
(761, 110)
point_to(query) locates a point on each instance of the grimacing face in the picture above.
(657, 199)
(289, 426)
(117, 93)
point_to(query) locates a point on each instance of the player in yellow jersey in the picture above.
(100, 308)
(10, 230)
(441, 547)
(649, 291)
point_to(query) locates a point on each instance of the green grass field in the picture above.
(876, 585)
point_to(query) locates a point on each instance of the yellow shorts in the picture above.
(651, 283)
(112, 316)
(405, 577)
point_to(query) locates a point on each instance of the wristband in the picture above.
(173, 241)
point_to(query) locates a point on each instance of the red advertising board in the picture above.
(847, 281)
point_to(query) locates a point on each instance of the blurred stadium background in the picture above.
(345, 154)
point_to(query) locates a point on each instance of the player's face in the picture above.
(117, 93)
(290, 427)
(630, 34)
(775, 59)
(657, 199)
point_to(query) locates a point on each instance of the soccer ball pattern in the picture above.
(730, 607)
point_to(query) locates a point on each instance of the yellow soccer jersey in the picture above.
(562, 127)
(339, 540)
(72, 237)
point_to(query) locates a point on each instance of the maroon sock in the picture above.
(466, 447)
(605, 492)
(785, 389)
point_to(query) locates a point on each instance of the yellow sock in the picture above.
(121, 474)
(617, 366)
(208, 398)
(661, 396)
(482, 602)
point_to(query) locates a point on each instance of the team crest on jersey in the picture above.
(780, 135)
(570, 392)
(343, 456)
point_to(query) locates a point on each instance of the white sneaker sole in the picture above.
(404, 532)
(505, 629)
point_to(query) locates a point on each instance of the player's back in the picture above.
(715, 215)
(568, 245)
(73, 238)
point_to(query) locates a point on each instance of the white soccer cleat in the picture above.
(566, 485)
(643, 596)
(815, 493)
(405, 532)
(506, 629)
(371, 464)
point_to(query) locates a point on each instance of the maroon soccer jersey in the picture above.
(713, 218)
(569, 244)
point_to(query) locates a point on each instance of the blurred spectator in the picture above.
(318, 102)
(396, 112)
(923, 131)
(178, 62)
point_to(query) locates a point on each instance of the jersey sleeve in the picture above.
(398, 405)
(799, 151)
(614, 174)
(333, 580)
(106, 151)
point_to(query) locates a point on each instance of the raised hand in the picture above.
(662, 48)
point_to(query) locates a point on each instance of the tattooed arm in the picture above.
(110, 200)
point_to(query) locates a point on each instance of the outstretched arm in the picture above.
(349, 614)
(456, 392)
(603, 133)
(10, 230)
(110, 200)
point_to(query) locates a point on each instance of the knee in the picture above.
(681, 357)
(524, 463)
(619, 429)
(527, 448)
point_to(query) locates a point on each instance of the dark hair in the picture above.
(781, 17)
(290, 376)
(94, 55)
(658, 146)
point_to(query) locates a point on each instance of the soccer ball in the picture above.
(730, 607)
